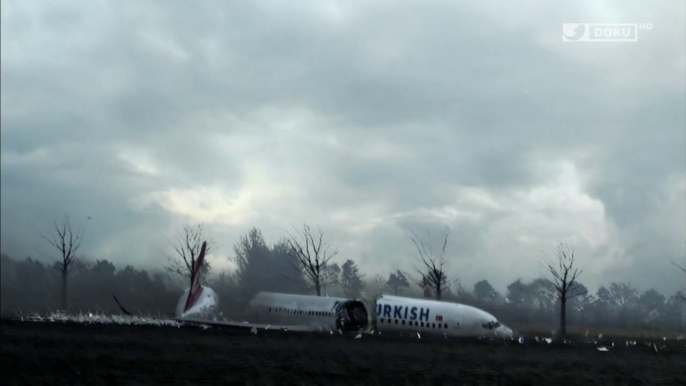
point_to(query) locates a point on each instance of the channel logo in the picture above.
(603, 32)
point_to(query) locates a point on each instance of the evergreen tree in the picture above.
(351, 280)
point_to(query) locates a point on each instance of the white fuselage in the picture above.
(324, 314)
(205, 308)
(401, 314)
(320, 313)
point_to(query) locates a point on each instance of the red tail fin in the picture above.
(196, 289)
(427, 289)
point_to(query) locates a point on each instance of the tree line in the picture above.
(303, 263)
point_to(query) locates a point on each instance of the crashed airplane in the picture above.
(394, 314)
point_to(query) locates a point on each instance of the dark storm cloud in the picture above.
(367, 118)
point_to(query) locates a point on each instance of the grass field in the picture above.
(576, 332)
(99, 353)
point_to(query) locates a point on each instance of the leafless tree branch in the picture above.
(433, 263)
(564, 279)
(682, 268)
(312, 253)
(186, 251)
(68, 243)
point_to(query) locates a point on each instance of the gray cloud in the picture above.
(366, 118)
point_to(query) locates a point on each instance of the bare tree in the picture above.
(312, 254)
(186, 251)
(682, 268)
(564, 275)
(67, 243)
(433, 262)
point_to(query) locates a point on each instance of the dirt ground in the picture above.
(63, 353)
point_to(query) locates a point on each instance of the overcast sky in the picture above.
(366, 118)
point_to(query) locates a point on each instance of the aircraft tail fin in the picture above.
(427, 289)
(196, 289)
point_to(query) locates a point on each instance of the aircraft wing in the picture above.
(231, 324)
(234, 324)
(135, 319)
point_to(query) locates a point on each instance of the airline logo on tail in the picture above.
(196, 289)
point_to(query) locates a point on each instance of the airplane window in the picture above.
(422, 324)
(396, 321)
(381, 320)
(445, 325)
(403, 322)
(433, 325)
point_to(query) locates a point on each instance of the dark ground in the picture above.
(61, 353)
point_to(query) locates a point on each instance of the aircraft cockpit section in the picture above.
(492, 325)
